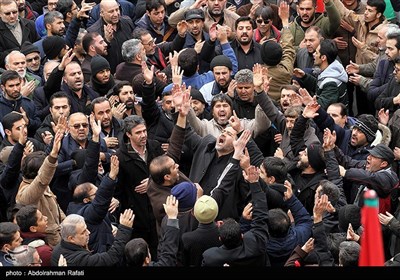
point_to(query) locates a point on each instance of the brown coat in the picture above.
(37, 192)
(370, 50)
(282, 73)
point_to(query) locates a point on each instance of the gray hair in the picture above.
(130, 49)
(392, 29)
(23, 255)
(7, 58)
(244, 76)
(50, 17)
(349, 252)
(132, 121)
(68, 226)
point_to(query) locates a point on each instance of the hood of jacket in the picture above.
(335, 72)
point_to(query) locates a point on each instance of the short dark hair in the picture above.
(245, 18)
(266, 12)
(139, 32)
(155, 4)
(9, 75)
(64, 6)
(313, 1)
(278, 223)
(118, 86)
(26, 217)
(98, 100)
(32, 163)
(188, 61)
(380, 5)
(343, 108)
(136, 251)
(88, 39)
(395, 36)
(230, 234)
(9, 119)
(7, 232)
(221, 97)
(59, 94)
(132, 121)
(275, 167)
(329, 49)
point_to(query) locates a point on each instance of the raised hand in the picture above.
(111, 142)
(148, 74)
(289, 190)
(240, 143)
(127, 218)
(305, 96)
(351, 235)
(213, 32)
(173, 58)
(245, 160)
(310, 111)
(61, 125)
(355, 79)
(308, 246)
(383, 116)
(29, 148)
(57, 144)
(28, 88)
(258, 78)
(177, 75)
(247, 213)
(85, 9)
(182, 28)
(283, 12)
(171, 207)
(67, 58)
(222, 34)
(108, 32)
(234, 122)
(385, 219)
(329, 139)
(114, 169)
(251, 174)
(96, 127)
(24, 115)
(119, 111)
(47, 137)
(231, 88)
(184, 107)
(298, 73)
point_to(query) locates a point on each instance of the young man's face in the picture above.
(306, 11)
(157, 15)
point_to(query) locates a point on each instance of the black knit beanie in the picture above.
(52, 46)
(271, 53)
(98, 64)
(197, 95)
(27, 48)
(221, 60)
(368, 124)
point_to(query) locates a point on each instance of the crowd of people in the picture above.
(188, 133)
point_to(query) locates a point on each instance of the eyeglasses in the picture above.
(29, 60)
(11, 12)
(79, 125)
(260, 21)
(150, 43)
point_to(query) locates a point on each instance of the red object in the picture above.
(371, 253)
(320, 6)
